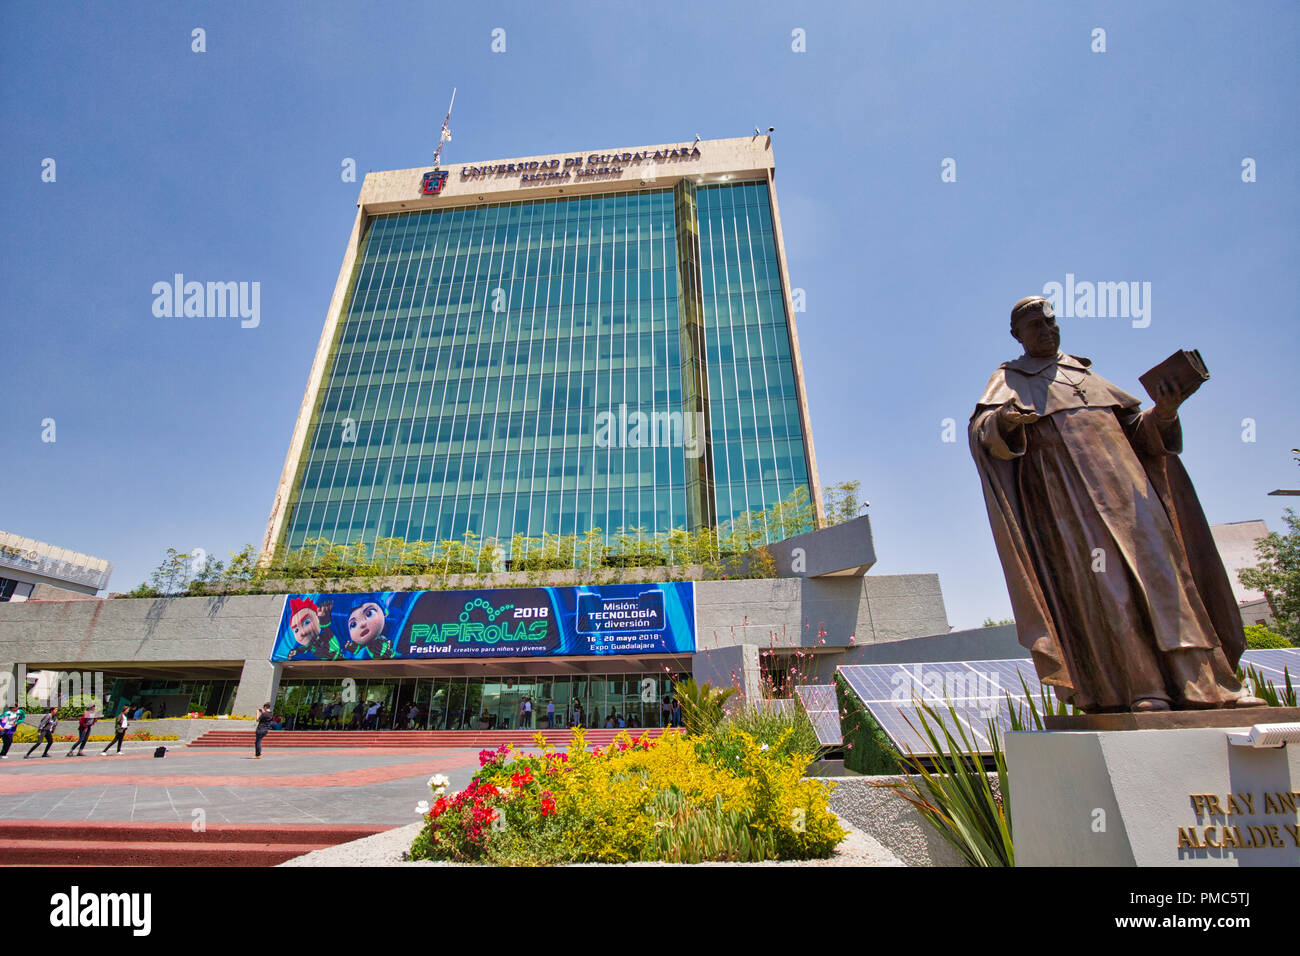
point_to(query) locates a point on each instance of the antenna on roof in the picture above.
(445, 135)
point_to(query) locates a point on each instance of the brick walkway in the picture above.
(355, 786)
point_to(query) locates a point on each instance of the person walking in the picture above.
(119, 732)
(45, 732)
(9, 722)
(120, 727)
(84, 723)
(264, 719)
(550, 713)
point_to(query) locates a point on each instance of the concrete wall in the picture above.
(837, 612)
(230, 629)
(237, 631)
(846, 549)
(976, 644)
(734, 666)
(1127, 798)
(867, 804)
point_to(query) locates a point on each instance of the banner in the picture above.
(588, 621)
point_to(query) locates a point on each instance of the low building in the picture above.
(227, 654)
(34, 570)
(1236, 542)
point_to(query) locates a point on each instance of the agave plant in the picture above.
(951, 789)
(1266, 689)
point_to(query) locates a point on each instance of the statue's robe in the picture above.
(1118, 590)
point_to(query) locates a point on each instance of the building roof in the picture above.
(47, 560)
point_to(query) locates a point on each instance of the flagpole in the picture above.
(445, 135)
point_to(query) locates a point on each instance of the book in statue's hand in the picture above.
(1184, 370)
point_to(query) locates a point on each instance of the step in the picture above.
(81, 843)
(114, 831)
(113, 853)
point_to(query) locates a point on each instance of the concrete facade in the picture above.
(230, 637)
(1130, 798)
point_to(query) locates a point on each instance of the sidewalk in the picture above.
(353, 786)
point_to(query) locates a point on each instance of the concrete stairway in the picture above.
(411, 739)
(78, 843)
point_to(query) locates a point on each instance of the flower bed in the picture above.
(722, 797)
(26, 734)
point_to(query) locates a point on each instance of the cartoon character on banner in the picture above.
(305, 618)
(366, 624)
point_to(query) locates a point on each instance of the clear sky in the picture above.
(1116, 166)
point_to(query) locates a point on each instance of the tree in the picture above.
(1278, 576)
(841, 503)
(989, 622)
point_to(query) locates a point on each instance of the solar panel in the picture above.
(823, 709)
(978, 690)
(1273, 662)
(776, 706)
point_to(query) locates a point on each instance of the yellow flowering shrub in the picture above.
(723, 797)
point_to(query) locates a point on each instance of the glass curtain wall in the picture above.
(477, 348)
(475, 703)
(756, 430)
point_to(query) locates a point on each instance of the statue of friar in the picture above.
(1118, 590)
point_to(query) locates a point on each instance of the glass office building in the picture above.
(621, 358)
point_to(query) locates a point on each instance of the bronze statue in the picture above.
(1118, 590)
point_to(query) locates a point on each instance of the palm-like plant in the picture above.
(703, 706)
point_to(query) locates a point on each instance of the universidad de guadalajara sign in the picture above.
(589, 621)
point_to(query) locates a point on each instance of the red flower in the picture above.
(522, 778)
(548, 803)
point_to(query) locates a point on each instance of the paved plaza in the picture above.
(353, 786)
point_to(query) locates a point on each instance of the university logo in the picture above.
(433, 182)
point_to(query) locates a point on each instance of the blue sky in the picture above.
(225, 165)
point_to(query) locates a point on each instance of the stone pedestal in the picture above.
(1181, 796)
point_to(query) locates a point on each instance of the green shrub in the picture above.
(786, 733)
(867, 748)
(1260, 638)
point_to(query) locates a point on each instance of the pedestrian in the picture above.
(550, 713)
(84, 723)
(528, 712)
(45, 732)
(676, 713)
(9, 722)
(577, 714)
(413, 716)
(119, 728)
(264, 719)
